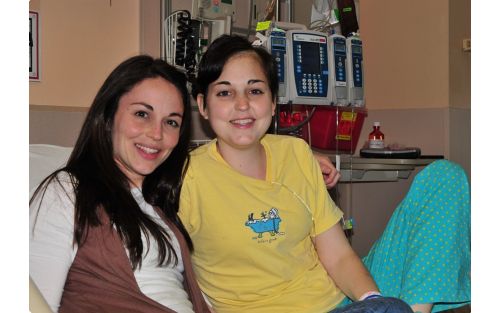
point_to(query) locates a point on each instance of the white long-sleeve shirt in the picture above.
(52, 251)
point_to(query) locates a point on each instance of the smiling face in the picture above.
(146, 127)
(239, 104)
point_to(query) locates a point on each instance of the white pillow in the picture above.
(44, 159)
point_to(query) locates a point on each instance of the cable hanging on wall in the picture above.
(180, 41)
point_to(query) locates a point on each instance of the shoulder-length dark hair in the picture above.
(99, 183)
(220, 51)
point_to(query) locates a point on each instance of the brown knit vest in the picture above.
(101, 278)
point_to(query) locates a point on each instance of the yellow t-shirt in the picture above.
(252, 238)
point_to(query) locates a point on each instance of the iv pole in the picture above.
(165, 10)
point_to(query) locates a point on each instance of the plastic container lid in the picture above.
(376, 123)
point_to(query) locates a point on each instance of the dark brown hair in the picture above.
(99, 183)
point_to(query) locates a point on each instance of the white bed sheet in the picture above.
(44, 159)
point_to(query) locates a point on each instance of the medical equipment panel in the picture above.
(276, 44)
(210, 9)
(338, 56)
(307, 58)
(355, 71)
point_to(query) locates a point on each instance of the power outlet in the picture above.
(466, 45)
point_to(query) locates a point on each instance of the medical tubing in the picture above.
(298, 126)
(190, 58)
(182, 34)
(298, 197)
(185, 49)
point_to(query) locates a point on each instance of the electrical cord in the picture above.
(185, 48)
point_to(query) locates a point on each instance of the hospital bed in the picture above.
(44, 159)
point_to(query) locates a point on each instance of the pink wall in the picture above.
(406, 53)
(81, 42)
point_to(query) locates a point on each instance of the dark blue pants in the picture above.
(376, 305)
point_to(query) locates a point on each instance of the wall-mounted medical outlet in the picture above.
(466, 45)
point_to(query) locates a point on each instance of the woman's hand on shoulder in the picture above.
(330, 174)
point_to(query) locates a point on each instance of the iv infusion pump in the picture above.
(338, 56)
(317, 69)
(355, 71)
(276, 44)
(307, 60)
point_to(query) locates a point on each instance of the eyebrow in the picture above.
(149, 107)
(250, 81)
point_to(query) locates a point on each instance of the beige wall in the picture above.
(417, 77)
(425, 69)
(150, 27)
(406, 56)
(419, 91)
(81, 42)
(460, 84)
(460, 62)
(413, 54)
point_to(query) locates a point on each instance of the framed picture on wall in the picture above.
(34, 47)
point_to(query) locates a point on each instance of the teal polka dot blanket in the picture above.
(424, 254)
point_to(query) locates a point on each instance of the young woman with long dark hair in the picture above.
(104, 231)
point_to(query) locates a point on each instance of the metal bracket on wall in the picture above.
(348, 175)
(357, 169)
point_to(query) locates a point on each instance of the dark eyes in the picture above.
(142, 114)
(172, 123)
(169, 122)
(225, 93)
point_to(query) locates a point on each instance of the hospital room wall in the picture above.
(417, 76)
(417, 79)
(417, 84)
(81, 41)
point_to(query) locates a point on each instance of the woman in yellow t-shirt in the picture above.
(267, 236)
